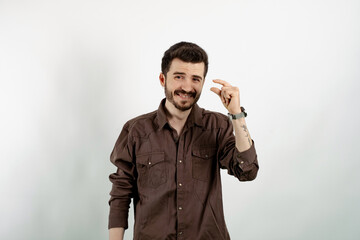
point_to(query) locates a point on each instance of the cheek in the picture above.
(175, 86)
(198, 88)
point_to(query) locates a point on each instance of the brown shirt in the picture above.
(175, 180)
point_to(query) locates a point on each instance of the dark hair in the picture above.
(185, 51)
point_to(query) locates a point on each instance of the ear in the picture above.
(162, 79)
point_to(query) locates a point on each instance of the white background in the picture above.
(73, 72)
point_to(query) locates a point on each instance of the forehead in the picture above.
(190, 68)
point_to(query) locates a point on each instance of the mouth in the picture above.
(185, 95)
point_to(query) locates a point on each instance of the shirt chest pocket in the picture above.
(152, 170)
(203, 163)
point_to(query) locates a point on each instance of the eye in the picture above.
(178, 77)
(196, 79)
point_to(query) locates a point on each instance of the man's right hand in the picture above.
(116, 233)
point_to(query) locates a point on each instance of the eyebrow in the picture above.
(182, 73)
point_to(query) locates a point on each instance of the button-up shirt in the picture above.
(174, 181)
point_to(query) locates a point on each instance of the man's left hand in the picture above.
(229, 96)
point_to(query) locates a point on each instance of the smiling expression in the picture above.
(183, 83)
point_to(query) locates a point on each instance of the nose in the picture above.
(187, 85)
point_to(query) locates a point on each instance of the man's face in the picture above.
(183, 84)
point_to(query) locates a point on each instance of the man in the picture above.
(169, 160)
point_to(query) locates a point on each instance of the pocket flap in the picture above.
(204, 152)
(150, 158)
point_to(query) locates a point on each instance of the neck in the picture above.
(176, 117)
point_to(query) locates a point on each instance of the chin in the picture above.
(184, 106)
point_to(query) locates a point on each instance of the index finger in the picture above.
(222, 82)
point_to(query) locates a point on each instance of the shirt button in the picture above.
(241, 162)
(180, 208)
(180, 161)
(180, 184)
(149, 163)
(180, 233)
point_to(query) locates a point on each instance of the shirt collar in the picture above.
(161, 114)
(195, 116)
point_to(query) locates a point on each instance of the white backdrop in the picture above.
(73, 72)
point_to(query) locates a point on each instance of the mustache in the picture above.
(192, 94)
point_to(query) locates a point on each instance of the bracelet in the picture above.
(239, 115)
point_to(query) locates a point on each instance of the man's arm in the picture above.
(239, 155)
(242, 135)
(123, 181)
(116, 233)
(230, 98)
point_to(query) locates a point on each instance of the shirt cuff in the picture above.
(118, 217)
(247, 158)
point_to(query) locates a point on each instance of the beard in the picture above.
(182, 105)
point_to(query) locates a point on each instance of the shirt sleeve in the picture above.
(243, 165)
(123, 180)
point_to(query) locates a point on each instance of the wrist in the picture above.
(237, 114)
(237, 110)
